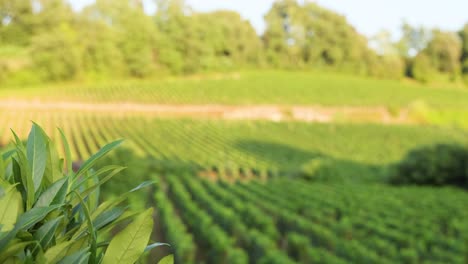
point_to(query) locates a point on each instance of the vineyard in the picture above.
(258, 191)
(248, 144)
(233, 132)
(290, 221)
(253, 88)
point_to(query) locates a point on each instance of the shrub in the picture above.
(317, 169)
(422, 68)
(48, 216)
(433, 165)
(325, 169)
(55, 54)
(3, 71)
(419, 111)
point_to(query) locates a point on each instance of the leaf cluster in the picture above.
(52, 214)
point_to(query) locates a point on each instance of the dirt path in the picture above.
(253, 112)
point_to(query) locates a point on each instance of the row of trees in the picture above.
(113, 37)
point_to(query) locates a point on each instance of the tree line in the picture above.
(117, 37)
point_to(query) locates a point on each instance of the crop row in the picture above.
(302, 222)
(239, 149)
(259, 87)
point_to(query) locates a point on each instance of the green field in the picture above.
(248, 144)
(290, 221)
(233, 191)
(249, 88)
(176, 132)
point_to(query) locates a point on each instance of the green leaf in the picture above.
(33, 216)
(17, 179)
(57, 252)
(8, 154)
(26, 221)
(78, 257)
(46, 232)
(107, 217)
(2, 169)
(13, 249)
(53, 169)
(167, 260)
(24, 173)
(142, 185)
(98, 173)
(62, 194)
(77, 245)
(67, 152)
(100, 210)
(155, 245)
(93, 198)
(48, 196)
(91, 229)
(37, 155)
(122, 219)
(17, 139)
(10, 208)
(95, 157)
(93, 188)
(129, 244)
(6, 170)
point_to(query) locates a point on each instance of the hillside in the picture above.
(322, 184)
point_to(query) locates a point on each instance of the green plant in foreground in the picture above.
(48, 216)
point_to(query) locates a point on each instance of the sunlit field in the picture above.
(160, 133)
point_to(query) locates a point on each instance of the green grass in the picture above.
(11, 51)
(260, 87)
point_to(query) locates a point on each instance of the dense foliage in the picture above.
(464, 58)
(434, 165)
(107, 38)
(48, 216)
(311, 36)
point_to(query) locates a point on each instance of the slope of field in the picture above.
(290, 221)
(248, 144)
(233, 191)
(253, 88)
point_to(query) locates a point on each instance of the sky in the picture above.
(367, 16)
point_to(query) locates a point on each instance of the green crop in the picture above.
(254, 88)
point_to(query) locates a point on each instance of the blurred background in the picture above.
(85, 40)
(276, 131)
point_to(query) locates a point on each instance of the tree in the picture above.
(16, 20)
(101, 57)
(442, 164)
(50, 14)
(281, 38)
(382, 43)
(464, 55)
(385, 66)
(56, 54)
(444, 51)
(422, 68)
(309, 35)
(134, 33)
(174, 25)
(414, 40)
(187, 44)
(229, 43)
